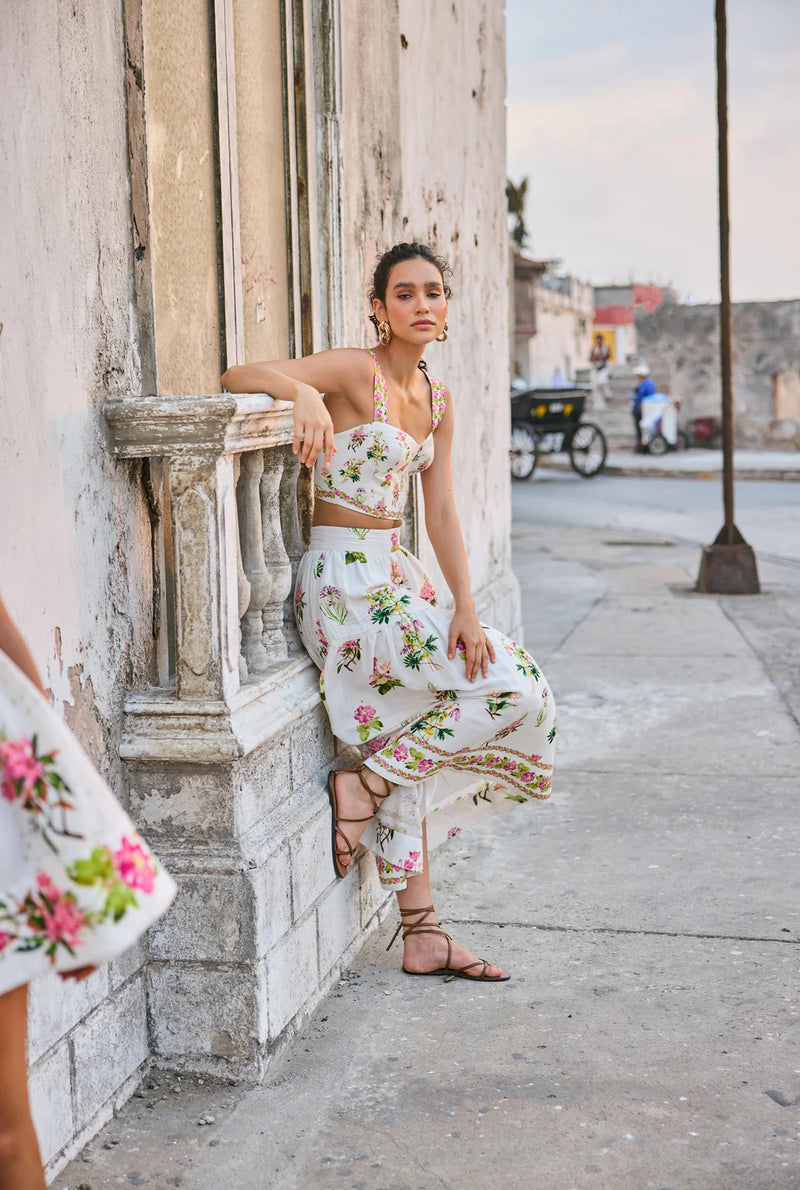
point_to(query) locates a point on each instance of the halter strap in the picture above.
(379, 398)
(438, 401)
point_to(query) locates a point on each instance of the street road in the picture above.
(768, 513)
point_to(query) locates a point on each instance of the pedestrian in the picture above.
(599, 358)
(645, 388)
(78, 885)
(453, 720)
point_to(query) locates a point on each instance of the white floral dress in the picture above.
(458, 751)
(78, 885)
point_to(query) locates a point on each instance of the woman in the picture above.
(77, 884)
(454, 721)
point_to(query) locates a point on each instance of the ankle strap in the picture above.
(413, 927)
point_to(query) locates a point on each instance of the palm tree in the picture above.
(515, 196)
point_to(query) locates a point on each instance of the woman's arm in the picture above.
(13, 645)
(302, 381)
(444, 531)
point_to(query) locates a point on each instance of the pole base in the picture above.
(728, 569)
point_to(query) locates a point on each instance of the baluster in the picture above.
(293, 476)
(242, 581)
(248, 502)
(279, 568)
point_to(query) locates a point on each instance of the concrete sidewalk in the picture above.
(697, 464)
(649, 914)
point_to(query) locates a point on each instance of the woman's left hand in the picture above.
(466, 632)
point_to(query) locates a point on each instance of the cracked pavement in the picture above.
(649, 914)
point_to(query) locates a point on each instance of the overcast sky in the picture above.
(611, 115)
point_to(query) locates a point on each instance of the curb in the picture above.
(746, 473)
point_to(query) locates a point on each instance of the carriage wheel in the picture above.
(658, 445)
(587, 449)
(523, 452)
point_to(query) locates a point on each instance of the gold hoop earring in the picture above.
(443, 337)
(384, 333)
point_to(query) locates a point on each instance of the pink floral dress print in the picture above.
(78, 884)
(458, 751)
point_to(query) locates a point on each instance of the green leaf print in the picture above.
(119, 898)
(385, 603)
(351, 470)
(348, 653)
(361, 534)
(98, 867)
(498, 700)
(354, 556)
(525, 663)
(551, 735)
(382, 678)
(319, 566)
(332, 604)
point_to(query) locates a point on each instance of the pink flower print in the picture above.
(20, 769)
(375, 745)
(4, 941)
(356, 439)
(299, 603)
(62, 918)
(424, 765)
(427, 591)
(412, 862)
(133, 866)
(395, 541)
(380, 508)
(364, 714)
(454, 830)
(400, 752)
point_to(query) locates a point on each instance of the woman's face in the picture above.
(415, 305)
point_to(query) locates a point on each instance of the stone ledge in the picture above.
(159, 726)
(183, 427)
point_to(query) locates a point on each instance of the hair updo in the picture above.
(397, 254)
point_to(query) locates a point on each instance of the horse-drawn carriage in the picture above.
(548, 420)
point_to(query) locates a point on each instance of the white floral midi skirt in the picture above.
(457, 750)
(78, 885)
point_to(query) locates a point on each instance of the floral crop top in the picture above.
(372, 462)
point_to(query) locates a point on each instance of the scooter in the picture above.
(658, 418)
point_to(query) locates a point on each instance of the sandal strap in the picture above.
(375, 798)
(417, 927)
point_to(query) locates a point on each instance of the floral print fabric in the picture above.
(373, 461)
(78, 885)
(457, 750)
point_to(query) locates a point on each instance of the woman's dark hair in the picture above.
(400, 252)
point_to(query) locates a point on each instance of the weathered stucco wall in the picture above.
(76, 538)
(443, 113)
(682, 343)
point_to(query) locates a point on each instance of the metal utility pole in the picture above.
(728, 567)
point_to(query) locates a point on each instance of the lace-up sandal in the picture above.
(347, 851)
(421, 927)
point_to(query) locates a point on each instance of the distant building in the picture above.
(552, 322)
(614, 311)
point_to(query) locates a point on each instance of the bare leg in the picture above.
(20, 1162)
(428, 952)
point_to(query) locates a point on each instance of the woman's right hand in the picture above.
(313, 427)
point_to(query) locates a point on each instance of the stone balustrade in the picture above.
(233, 498)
